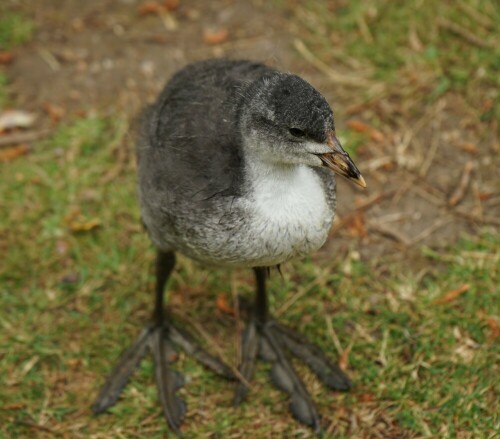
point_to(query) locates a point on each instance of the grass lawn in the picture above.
(417, 328)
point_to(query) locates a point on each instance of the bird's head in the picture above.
(286, 121)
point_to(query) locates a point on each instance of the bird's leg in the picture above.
(160, 336)
(168, 381)
(274, 342)
(132, 357)
(250, 339)
(328, 372)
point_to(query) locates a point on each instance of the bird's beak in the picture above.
(339, 161)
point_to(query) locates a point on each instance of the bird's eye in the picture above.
(296, 132)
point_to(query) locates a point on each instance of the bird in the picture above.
(236, 168)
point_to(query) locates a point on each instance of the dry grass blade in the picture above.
(471, 12)
(50, 59)
(212, 343)
(437, 224)
(34, 426)
(333, 335)
(484, 219)
(288, 303)
(339, 78)
(464, 33)
(120, 146)
(15, 138)
(459, 192)
(389, 232)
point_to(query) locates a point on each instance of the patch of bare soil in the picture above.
(117, 55)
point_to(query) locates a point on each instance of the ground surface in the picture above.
(406, 291)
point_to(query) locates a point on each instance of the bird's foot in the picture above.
(273, 341)
(161, 340)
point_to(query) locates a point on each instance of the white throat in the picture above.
(287, 192)
(291, 215)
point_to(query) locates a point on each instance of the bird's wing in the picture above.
(190, 146)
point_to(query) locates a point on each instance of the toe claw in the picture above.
(337, 381)
(240, 394)
(160, 339)
(168, 382)
(187, 342)
(179, 410)
(281, 379)
(286, 379)
(179, 380)
(329, 373)
(265, 351)
(303, 412)
(121, 373)
(249, 348)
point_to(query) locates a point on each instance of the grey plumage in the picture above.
(235, 168)
(191, 157)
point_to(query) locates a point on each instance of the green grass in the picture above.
(76, 299)
(3, 90)
(15, 29)
(423, 47)
(351, 141)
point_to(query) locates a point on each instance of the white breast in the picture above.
(289, 210)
